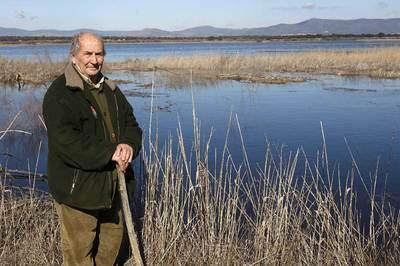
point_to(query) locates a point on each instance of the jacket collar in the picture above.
(74, 81)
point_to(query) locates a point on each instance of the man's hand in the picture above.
(123, 156)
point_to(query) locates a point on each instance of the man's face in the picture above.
(90, 56)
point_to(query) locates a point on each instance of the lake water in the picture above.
(117, 52)
(364, 111)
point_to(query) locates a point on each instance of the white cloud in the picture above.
(230, 25)
(393, 14)
(21, 14)
(383, 4)
(309, 6)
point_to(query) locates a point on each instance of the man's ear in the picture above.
(73, 60)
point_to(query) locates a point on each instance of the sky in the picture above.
(182, 14)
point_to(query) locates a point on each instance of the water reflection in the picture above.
(361, 110)
(20, 109)
(119, 52)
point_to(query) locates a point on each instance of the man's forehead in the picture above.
(90, 39)
(91, 46)
(91, 43)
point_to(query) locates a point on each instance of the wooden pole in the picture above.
(133, 240)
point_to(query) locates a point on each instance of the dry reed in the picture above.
(376, 63)
(36, 72)
(198, 211)
(29, 233)
(194, 215)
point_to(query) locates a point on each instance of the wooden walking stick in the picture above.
(133, 240)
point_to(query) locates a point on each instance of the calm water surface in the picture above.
(362, 110)
(117, 52)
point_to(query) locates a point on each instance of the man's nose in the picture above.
(93, 58)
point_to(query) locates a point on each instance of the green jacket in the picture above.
(80, 170)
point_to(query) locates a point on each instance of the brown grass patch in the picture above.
(34, 72)
(375, 63)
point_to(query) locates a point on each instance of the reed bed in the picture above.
(376, 63)
(29, 232)
(35, 72)
(208, 213)
(198, 211)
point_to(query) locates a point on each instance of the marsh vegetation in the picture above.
(264, 68)
(376, 63)
(34, 72)
(199, 211)
(199, 205)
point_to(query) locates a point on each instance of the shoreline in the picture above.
(373, 63)
(276, 215)
(49, 40)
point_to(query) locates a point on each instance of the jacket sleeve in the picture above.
(131, 133)
(66, 140)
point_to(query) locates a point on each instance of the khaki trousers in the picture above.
(90, 237)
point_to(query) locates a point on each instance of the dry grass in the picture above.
(200, 212)
(35, 72)
(377, 63)
(29, 233)
(197, 217)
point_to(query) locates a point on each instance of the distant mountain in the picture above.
(331, 26)
(311, 26)
(204, 31)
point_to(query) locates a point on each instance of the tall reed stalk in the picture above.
(376, 63)
(196, 213)
(222, 211)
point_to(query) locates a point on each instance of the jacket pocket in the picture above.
(74, 180)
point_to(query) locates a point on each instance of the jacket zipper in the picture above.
(74, 180)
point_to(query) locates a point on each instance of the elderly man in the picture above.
(91, 132)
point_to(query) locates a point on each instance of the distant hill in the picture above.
(311, 26)
(330, 26)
